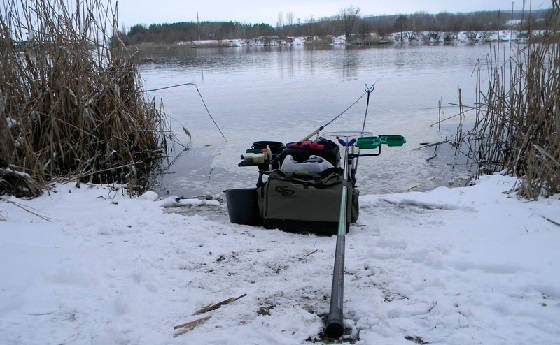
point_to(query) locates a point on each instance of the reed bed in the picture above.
(517, 125)
(71, 104)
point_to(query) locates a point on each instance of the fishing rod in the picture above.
(368, 91)
(335, 321)
(353, 141)
(318, 130)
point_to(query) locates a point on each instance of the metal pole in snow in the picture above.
(335, 322)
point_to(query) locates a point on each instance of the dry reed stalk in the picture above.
(517, 126)
(217, 305)
(26, 209)
(185, 327)
(70, 97)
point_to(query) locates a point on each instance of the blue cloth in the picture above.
(350, 143)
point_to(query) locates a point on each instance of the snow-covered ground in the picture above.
(471, 265)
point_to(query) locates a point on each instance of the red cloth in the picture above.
(307, 144)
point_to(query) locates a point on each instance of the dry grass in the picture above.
(70, 100)
(517, 126)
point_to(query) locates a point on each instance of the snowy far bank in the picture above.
(405, 37)
(471, 265)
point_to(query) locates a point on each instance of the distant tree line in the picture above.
(348, 22)
(191, 31)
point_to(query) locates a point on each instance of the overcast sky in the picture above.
(258, 11)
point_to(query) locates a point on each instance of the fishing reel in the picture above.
(262, 154)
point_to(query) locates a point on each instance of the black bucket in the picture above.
(243, 206)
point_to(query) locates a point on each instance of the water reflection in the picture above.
(285, 61)
(349, 64)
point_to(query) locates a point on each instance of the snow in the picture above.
(298, 41)
(149, 195)
(339, 40)
(11, 122)
(451, 266)
(15, 172)
(513, 22)
(461, 37)
(177, 202)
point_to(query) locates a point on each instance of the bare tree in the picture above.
(349, 17)
(364, 28)
(290, 18)
(280, 22)
(400, 24)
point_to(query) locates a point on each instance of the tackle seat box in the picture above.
(306, 205)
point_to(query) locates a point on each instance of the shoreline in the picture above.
(406, 38)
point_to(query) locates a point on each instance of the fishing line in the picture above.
(169, 87)
(345, 110)
(208, 111)
(201, 98)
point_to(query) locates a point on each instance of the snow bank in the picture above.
(450, 266)
(178, 202)
(460, 37)
(339, 40)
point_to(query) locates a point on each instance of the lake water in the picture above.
(283, 94)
